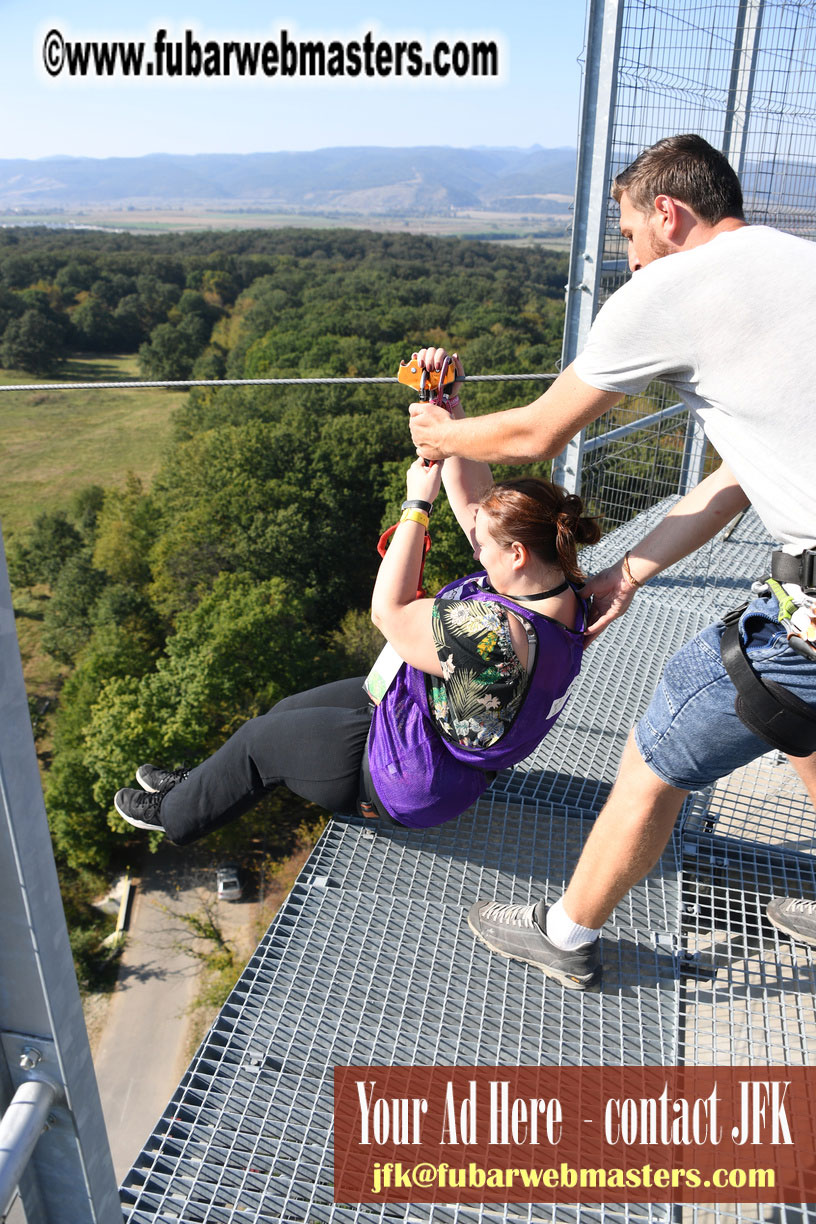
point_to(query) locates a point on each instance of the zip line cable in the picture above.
(258, 382)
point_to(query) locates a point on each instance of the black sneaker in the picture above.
(795, 916)
(512, 931)
(139, 809)
(153, 778)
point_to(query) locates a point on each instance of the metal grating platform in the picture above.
(763, 802)
(370, 960)
(748, 996)
(578, 760)
(501, 848)
(712, 580)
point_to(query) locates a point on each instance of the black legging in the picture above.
(311, 742)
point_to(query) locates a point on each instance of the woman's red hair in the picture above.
(544, 518)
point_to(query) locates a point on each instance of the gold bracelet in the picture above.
(629, 575)
(415, 516)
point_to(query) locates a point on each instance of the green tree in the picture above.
(83, 839)
(131, 323)
(84, 508)
(242, 649)
(95, 327)
(171, 350)
(34, 343)
(75, 277)
(42, 553)
(67, 623)
(11, 307)
(125, 530)
(300, 498)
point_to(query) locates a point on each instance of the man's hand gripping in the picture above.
(430, 423)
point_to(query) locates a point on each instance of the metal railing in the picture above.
(53, 1141)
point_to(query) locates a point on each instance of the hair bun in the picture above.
(571, 509)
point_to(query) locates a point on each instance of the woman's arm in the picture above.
(465, 480)
(405, 620)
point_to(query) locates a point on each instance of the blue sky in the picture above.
(535, 102)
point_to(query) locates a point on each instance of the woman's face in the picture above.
(491, 555)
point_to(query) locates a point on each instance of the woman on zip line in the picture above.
(469, 683)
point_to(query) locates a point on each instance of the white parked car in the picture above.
(229, 885)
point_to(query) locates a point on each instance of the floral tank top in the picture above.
(483, 684)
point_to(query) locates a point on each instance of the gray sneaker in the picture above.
(795, 916)
(141, 810)
(152, 778)
(512, 931)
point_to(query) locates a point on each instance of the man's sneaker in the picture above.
(512, 931)
(795, 917)
(153, 778)
(140, 809)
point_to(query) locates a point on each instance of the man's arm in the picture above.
(539, 430)
(695, 519)
(465, 481)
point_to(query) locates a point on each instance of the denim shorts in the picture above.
(691, 735)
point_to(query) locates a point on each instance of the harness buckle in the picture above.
(799, 570)
(809, 571)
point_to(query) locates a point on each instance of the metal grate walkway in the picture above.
(370, 960)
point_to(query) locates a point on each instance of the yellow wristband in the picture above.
(415, 516)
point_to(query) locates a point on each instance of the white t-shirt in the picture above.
(731, 326)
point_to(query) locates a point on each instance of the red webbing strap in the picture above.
(386, 536)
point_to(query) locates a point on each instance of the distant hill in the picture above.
(376, 181)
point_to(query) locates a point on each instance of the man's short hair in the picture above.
(688, 169)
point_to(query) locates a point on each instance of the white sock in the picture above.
(565, 933)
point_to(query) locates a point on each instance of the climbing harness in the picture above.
(797, 615)
(771, 711)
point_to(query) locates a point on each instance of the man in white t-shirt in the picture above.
(728, 322)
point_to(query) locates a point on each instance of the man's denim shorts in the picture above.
(690, 735)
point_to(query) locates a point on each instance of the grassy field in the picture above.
(547, 231)
(54, 442)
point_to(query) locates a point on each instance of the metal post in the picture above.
(591, 195)
(741, 83)
(694, 454)
(735, 136)
(42, 1030)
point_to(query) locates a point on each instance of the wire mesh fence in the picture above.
(742, 74)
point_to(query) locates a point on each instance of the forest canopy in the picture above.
(244, 571)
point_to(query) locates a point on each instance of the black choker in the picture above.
(541, 594)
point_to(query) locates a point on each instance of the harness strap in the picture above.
(769, 710)
(381, 546)
(371, 805)
(800, 570)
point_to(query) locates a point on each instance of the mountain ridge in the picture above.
(376, 180)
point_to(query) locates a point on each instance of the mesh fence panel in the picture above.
(742, 74)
